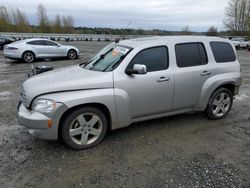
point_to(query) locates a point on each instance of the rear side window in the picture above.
(155, 59)
(36, 42)
(190, 54)
(223, 52)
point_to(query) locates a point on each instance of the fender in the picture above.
(105, 97)
(215, 82)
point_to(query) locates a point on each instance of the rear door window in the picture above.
(223, 52)
(190, 54)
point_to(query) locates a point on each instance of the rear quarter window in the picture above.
(223, 52)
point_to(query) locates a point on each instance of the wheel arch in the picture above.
(29, 51)
(208, 92)
(99, 106)
(72, 49)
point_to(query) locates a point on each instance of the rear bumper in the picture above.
(12, 55)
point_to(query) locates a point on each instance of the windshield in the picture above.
(108, 58)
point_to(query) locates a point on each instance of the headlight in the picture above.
(44, 105)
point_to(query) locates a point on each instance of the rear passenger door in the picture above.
(191, 72)
(151, 93)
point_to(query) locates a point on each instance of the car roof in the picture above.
(32, 39)
(173, 39)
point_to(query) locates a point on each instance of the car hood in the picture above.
(64, 79)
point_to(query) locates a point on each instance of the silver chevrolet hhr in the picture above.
(131, 81)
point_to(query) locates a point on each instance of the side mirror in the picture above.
(58, 45)
(137, 69)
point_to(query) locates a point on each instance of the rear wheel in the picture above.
(72, 54)
(84, 128)
(220, 103)
(28, 57)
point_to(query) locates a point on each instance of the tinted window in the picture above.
(36, 42)
(49, 43)
(223, 52)
(155, 59)
(190, 54)
(33, 42)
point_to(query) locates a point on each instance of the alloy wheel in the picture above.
(72, 54)
(85, 128)
(28, 57)
(221, 104)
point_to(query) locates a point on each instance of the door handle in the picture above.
(163, 79)
(205, 73)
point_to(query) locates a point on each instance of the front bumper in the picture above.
(37, 123)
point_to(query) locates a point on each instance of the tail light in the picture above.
(10, 48)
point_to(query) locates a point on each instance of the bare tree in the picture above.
(68, 24)
(4, 19)
(237, 13)
(43, 21)
(186, 31)
(57, 24)
(20, 21)
(212, 31)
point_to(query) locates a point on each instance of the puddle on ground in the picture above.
(4, 81)
(5, 95)
(241, 97)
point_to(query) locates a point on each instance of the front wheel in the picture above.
(220, 103)
(72, 54)
(84, 128)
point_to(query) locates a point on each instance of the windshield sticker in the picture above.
(118, 50)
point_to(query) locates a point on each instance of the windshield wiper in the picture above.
(115, 64)
(101, 57)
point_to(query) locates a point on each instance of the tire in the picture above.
(84, 128)
(28, 57)
(72, 54)
(220, 104)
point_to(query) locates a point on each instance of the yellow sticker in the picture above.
(115, 53)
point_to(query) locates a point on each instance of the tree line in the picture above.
(237, 22)
(16, 20)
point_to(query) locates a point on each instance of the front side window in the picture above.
(155, 59)
(108, 58)
(223, 52)
(190, 54)
(35, 42)
(49, 43)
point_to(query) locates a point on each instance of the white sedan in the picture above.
(30, 49)
(239, 43)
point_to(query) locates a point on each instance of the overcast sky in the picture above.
(146, 14)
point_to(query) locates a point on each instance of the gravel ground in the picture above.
(180, 151)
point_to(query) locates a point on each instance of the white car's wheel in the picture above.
(72, 54)
(84, 128)
(28, 57)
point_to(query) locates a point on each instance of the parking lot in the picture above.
(186, 150)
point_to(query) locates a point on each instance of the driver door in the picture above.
(150, 93)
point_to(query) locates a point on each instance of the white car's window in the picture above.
(49, 43)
